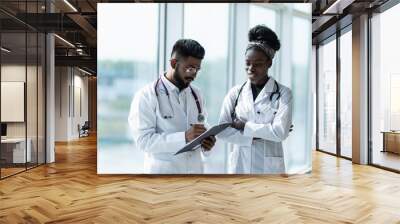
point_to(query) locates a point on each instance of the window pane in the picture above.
(213, 78)
(126, 65)
(298, 153)
(13, 86)
(32, 101)
(386, 89)
(41, 98)
(346, 94)
(327, 97)
(261, 14)
(303, 7)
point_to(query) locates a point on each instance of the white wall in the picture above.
(71, 93)
(60, 121)
(80, 109)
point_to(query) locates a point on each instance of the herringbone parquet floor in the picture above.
(70, 191)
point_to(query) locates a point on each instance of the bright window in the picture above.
(327, 97)
(385, 85)
(300, 86)
(214, 73)
(346, 94)
(124, 67)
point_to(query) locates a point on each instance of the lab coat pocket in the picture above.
(274, 165)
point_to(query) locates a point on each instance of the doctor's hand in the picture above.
(238, 124)
(195, 131)
(208, 143)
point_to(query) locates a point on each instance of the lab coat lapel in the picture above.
(266, 91)
(247, 99)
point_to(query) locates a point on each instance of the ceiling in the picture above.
(76, 22)
(333, 15)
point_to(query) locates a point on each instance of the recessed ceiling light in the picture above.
(331, 7)
(64, 40)
(70, 5)
(84, 71)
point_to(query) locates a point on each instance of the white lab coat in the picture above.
(161, 138)
(266, 120)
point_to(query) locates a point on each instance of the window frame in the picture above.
(334, 37)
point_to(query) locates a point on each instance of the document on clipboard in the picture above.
(197, 141)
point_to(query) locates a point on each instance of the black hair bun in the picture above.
(265, 34)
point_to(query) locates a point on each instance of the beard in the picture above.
(180, 82)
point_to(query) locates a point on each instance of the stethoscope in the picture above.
(276, 91)
(200, 117)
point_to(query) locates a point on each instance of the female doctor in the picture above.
(260, 111)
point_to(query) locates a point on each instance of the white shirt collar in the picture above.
(170, 86)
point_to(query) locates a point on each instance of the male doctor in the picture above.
(169, 112)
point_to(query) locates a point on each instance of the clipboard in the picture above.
(197, 141)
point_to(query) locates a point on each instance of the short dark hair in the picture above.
(264, 34)
(188, 47)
